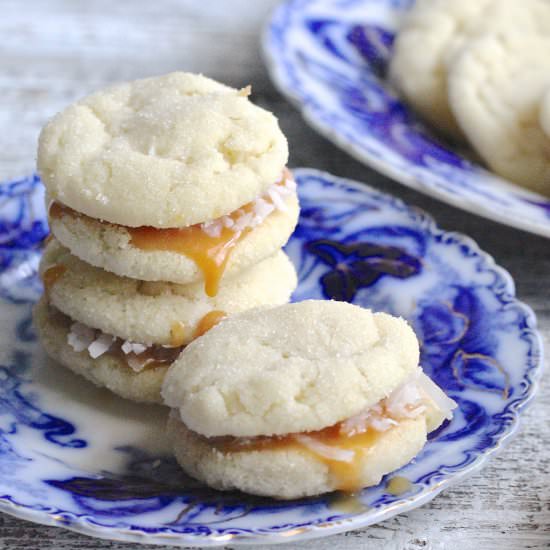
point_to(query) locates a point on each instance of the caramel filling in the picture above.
(210, 250)
(134, 355)
(52, 275)
(209, 244)
(153, 357)
(344, 446)
(56, 210)
(346, 471)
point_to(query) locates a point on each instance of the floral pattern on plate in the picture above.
(79, 457)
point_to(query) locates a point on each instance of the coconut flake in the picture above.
(126, 347)
(262, 207)
(409, 400)
(290, 184)
(133, 347)
(406, 396)
(278, 201)
(443, 402)
(327, 451)
(80, 336)
(382, 423)
(136, 363)
(228, 222)
(100, 345)
(213, 228)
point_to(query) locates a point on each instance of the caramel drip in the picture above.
(209, 253)
(398, 485)
(347, 503)
(177, 334)
(211, 319)
(52, 275)
(347, 474)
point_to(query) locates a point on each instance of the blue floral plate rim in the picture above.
(505, 285)
(485, 193)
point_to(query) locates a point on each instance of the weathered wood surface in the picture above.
(52, 52)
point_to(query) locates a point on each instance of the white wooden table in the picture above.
(55, 51)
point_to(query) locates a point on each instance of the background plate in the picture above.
(330, 57)
(79, 457)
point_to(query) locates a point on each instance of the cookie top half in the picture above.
(168, 151)
(292, 368)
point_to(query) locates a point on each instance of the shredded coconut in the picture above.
(261, 208)
(82, 337)
(133, 347)
(137, 355)
(406, 401)
(100, 345)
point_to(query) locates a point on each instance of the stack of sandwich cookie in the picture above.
(301, 399)
(169, 202)
(123, 333)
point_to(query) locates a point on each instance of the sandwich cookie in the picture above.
(207, 252)
(123, 334)
(165, 178)
(301, 399)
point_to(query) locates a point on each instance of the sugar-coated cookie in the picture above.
(110, 247)
(106, 371)
(496, 84)
(291, 368)
(289, 473)
(433, 33)
(167, 151)
(159, 313)
(427, 35)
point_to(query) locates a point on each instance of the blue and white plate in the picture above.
(79, 457)
(330, 57)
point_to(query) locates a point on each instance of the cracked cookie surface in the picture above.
(291, 368)
(168, 151)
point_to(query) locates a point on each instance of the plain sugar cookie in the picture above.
(158, 313)
(417, 69)
(168, 151)
(496, 85)
(433, 33)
